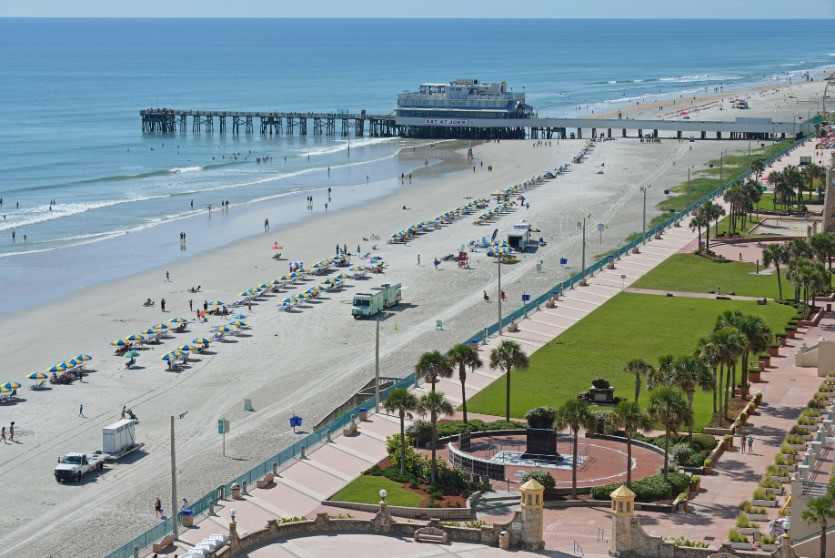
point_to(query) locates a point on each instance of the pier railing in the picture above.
(288, 454)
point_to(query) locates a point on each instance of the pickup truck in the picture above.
(73, 466)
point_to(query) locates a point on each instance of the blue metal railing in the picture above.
(288, 454)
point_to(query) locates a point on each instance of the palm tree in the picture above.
(802, 274)
(401, 401)
(507, 356)
(756, 336)
(574, 414)
(435, 405)
(821, 281)
(698, 222)
(758, 166)
(433, 365)
(823, 246)
(463, 355)
(819, 511)
(794, 181)
(709, 352)
(713, 212)
(629, 416)
(668, 406)
(729, 346)
(776, 254)
(639, 367)
(664, 372)
(689, 373)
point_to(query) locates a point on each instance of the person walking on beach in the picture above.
(124, 411)
(167, 276)
(11, 432)
(205, 305)
(162, 304)
(3, 434)
(158, 507)
(81, 411)
(418, 259)
(503, 296)
(266, 225)
(190, 305)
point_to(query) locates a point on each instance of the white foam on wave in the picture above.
(183, 170)
(345, 145)
(42, 214)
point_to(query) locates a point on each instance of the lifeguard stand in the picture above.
(463, 260)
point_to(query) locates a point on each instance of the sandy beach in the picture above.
(306, 362)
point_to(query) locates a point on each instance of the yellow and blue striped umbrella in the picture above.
(223, 329)
(192, 348)
(119, 343)
(172, 355)
(11, 385)
(201, 341)
(177, 321)
(160, 327)
(238, 323)
(135, 337)
(37, 376)
(57, 368)
(84, 357)
(216, 303)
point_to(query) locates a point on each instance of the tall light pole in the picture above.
(722, 168)
(644, 192)
(583, 262)
(499, 295)
(377, 368)
(173, 484)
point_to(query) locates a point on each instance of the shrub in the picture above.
(799, 431)
(708, 462)
(683, 541)
(734, 536)
(726, 437)
(648, 489)
(687, 456)
(541, 476)
(810, 412)
(768, 482)
(413, 458)
(791, 328)
(433, 504)
(768, 539)
(780, 459)
(743, 522)
(703, 441)
(695, 478)
(419, 432)
(787, 450)
(541, 417)
(794, 439)
(743, 416)
(761, 494)
(806, 421)
(758, 395)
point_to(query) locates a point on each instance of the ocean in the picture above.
(72, 90)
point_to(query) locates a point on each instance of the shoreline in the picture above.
(304, 363)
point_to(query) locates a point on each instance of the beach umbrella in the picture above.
(222, 329)
(131, 354)
(277, 247)
(149, 331)
(245, 293)
(238, 323)
(118, 343)
(177, 321)
(84, 358)
(216, 303)
(72, 363)
(160, 327)
(37, 376)
(201, 341)
(239, 316)
(172, 355)
(302, 296)
(4, 390)
(135, 337)
(57, 368)
(289, 300)
(192, 348)
(11, 385)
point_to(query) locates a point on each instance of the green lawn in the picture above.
(725, 223)
(629, 326)
(366, 490)
(685, 272)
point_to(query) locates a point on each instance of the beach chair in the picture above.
(218, 336)
(38, 385)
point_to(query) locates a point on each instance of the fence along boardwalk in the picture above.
(166, 120)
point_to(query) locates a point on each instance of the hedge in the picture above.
(648, 489)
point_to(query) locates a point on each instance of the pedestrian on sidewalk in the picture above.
(750, 444)
(742, 445)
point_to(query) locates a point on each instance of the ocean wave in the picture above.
(178, 170)
(700, 78)
(42, 214)
(345, 145)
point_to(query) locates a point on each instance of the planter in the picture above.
(777, 491)
(798, 447)
(766, 362)
(707, 470)
(755, 376)
(773, 351)
(695, 486)
(741, 546)
(747, 530)
(764, 503)
(790, 335)
(783, 341)
(783, 480)
(807, 438)
(757, 517)
(768, 547)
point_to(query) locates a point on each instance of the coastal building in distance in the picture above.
(445, 110)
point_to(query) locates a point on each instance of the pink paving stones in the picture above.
(331, 456)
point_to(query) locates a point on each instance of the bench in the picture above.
(165, 542)
(264, 481)
(350, 430)
(431, 534)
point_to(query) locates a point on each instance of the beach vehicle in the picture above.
(73, 466)
(118, 440)
(369, 304)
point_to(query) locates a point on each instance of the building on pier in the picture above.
(446, 110)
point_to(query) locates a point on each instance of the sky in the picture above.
(663, 9)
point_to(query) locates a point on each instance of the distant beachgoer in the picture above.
(158, 507)
(486, 298)
(124, 411)
(742, 445)
(344, 248)
(162, 304)
(24, 238)
(750, 444)
(183, 504)
(13, 235)
(326, 207)
(503, 296)
(81, 411)
(437, 262)
(337, 249)
(167, 276)
(418, 259)
(190, 305)
(266, 225)
(205, 305)
(3, 434)
(11, 432)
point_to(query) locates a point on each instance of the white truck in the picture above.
(368, 304)
(73, 466)
(119, 440)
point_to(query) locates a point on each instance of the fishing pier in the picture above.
(166, 120)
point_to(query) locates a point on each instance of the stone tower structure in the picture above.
(623, 507)
(532, 506)
(829, 198)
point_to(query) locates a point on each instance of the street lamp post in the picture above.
(377, 368)
(644, 192)
(722, 168)
(499, 295)
(174, 530)
(583, 263)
